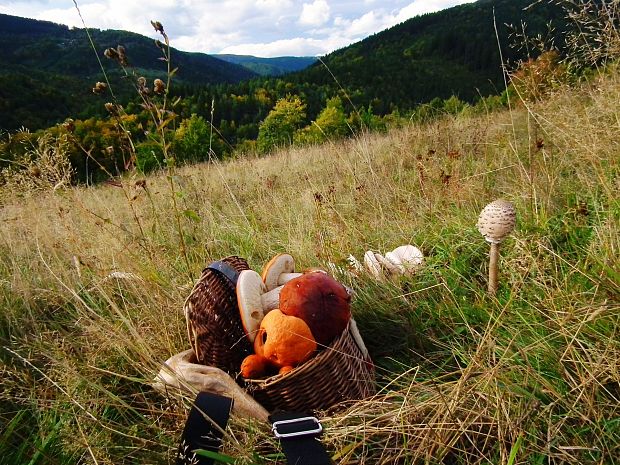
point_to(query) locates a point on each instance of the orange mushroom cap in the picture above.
(284, 340)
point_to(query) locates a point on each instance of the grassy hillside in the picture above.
(530, 376)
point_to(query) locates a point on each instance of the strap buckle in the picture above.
(296, 427)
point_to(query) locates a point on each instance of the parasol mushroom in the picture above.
(402, 260)
(407, 258)
(373, 265)
(496, 221)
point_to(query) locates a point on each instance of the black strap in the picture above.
(226, 270)
(301, 450)
(204, 428)
(207, 420)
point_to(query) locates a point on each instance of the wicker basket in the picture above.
(213, 323)
(338, 373)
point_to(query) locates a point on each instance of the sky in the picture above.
(265, 28)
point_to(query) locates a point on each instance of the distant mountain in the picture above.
(47, 70)
(450, 52)
(276, 66)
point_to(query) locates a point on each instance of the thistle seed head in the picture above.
(158, 86)
(157, 26)
(69, 125)
(100, 88)
(112, 108)
(111, 53)
(122, 55)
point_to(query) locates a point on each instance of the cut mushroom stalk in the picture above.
(284, 278)
(496, 221)
(279, 271)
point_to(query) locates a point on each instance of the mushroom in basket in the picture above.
(282, 343)
(314, 310)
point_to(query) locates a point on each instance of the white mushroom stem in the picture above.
(357, 337)
(493, 260)
(284, 278)
(254, 301)
(271, 299)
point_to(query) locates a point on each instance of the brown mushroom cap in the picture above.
(319, 300)
(281, 263)
(284, 340)
(497, 220)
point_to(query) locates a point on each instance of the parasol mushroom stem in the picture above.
(493, 260)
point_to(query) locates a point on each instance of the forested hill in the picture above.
(47, 69)
(275, 66)
(451, 52)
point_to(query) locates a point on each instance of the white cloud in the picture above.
(420, 7)
(298, 46)
(258, 27)
(315, 14)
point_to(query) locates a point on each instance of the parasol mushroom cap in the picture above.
(391, 267)
(497, 220)
(278, 265)
(250, 288)
(407, 258)
(372, 264)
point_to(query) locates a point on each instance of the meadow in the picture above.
(93, 279)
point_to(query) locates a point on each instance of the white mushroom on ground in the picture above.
(402, 260)
(372, 264)
(496, 221)
(279, 271)
(407, 258)
(254, 301)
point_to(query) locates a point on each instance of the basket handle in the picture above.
(225, 270)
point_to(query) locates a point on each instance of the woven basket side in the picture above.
(214, 326)
(338, 373)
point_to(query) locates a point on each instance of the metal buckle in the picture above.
(306, 432)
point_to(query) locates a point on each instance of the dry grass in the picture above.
(529, 377)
